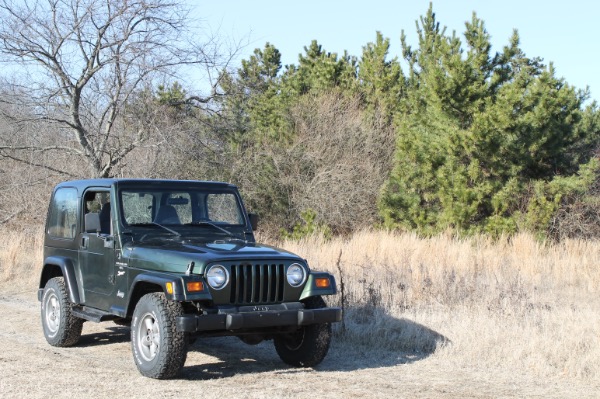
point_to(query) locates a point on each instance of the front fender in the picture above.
(173, 286)
(311, 289)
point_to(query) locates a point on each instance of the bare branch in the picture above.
(85, 61)
(39, 165)
(43, 149)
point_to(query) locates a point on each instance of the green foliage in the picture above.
(257, 110)
(485, 143)
(174, 95)
(380, 81)
(309, 226)
(319, 70)
(547, 197)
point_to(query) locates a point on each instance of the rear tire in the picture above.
(308, 346)
(159, 350)
(61, 328)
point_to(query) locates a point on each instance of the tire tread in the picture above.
(69, 331)
(171, 358)
(315, 345)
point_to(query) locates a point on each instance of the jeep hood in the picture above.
(173, 256)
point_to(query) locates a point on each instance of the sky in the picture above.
(566, 33)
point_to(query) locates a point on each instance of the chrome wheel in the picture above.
(52, 314)
(148, 337)
(60, 327)
(159, 350)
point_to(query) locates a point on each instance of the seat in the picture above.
(167, 214)
(104, 216)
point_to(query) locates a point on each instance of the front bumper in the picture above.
(248, 317)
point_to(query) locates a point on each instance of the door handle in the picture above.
(84, 242)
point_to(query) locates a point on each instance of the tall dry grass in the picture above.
(21, 255)
(513, 304)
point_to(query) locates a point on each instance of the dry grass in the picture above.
(20, 257)
(515, 305)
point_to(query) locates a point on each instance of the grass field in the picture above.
(515, 305)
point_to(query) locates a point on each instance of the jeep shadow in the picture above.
(399, 341)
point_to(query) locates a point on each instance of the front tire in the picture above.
(159, 350)
(61, 328)
(308, 346)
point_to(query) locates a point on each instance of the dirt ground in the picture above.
(101, 366)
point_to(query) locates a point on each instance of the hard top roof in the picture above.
(108, 182)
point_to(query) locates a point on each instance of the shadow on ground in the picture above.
(112, 335)
(389, 342)
(371, 339)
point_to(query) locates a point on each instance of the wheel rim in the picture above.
(52, 314)
(294, 341)
(148, 333)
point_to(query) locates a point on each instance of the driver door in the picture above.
(97, 253)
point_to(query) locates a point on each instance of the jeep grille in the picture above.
(257, 283)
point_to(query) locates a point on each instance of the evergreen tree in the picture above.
(381, 81)
(321, 71)
(484, 142)
(250, 96)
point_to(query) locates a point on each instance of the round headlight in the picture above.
(217, 277)
(296, 275)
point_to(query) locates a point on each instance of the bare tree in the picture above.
(335, 165)
(77, 64)
(338, 161)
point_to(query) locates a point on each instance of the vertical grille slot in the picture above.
(256, 283)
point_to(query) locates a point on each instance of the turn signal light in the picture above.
(195, 286)
(322, 282)
(169, 287)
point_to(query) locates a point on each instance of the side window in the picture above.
(62, 218)
(99, 202)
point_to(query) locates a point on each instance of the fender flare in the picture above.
(68, 272)
(310, 289)
(160, 281)
(156, 280)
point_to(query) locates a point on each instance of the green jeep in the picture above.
(176, 260)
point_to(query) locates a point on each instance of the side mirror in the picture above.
(253, 221)
(92, 222)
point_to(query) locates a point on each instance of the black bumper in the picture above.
(240, 320)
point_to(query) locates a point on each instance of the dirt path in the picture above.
(101, 366)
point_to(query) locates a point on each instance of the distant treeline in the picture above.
(453, 138)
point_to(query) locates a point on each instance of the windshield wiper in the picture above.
(175, 233)
(229, 233)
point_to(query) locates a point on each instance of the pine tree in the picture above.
(248, 105)
(485, 141)
(381, 81)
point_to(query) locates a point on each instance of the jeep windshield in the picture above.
(182, 211)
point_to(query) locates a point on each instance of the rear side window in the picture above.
(62, 216)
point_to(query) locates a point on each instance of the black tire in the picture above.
(159, 350)
(308, 346)
(61, 328)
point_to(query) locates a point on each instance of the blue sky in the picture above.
(566, 33)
